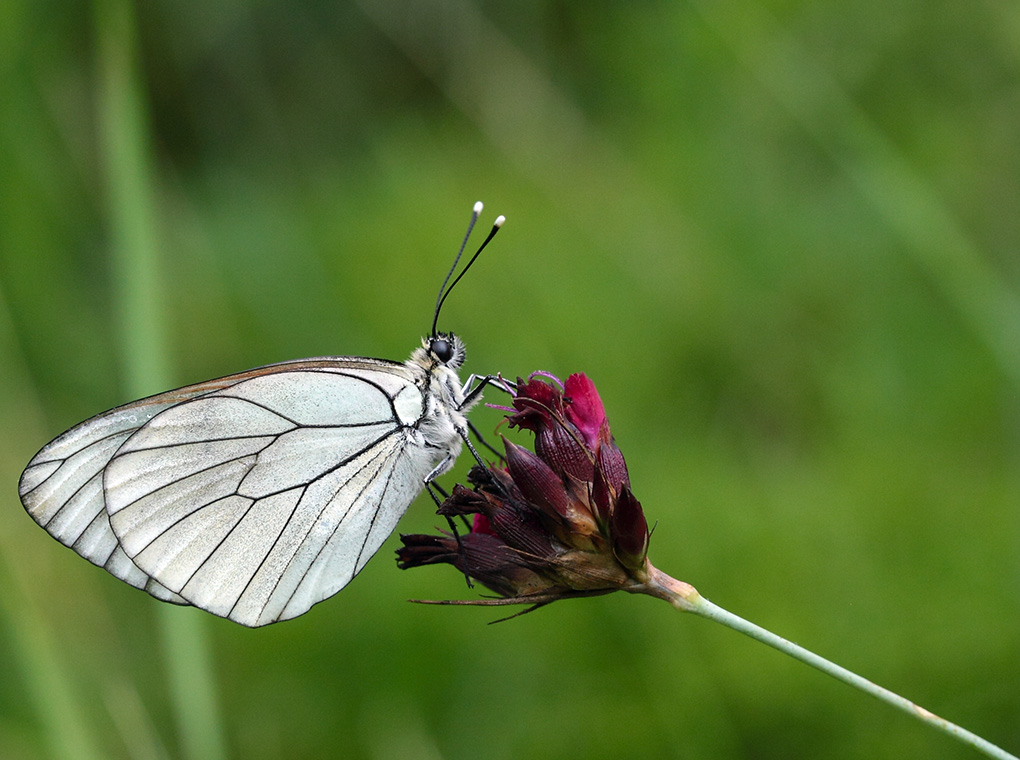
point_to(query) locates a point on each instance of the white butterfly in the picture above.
(257, 495)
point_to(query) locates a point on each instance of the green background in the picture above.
(781, 237)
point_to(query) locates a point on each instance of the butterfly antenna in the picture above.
(445, 291)
(475, 213)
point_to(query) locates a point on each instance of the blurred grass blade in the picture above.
(909, 203)
(190, 670)
(35, 657)
(133, 722)
(129, 202)
(133, 241)
(48, 681)
(528, 118)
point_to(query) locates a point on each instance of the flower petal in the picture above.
(536, 402)
(481, 524)
(584, 407)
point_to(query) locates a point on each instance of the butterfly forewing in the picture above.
(253, 496)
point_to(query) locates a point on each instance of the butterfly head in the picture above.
(446, 349)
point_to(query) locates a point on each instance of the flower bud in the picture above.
(555, 523)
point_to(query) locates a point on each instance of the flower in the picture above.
(555, 523)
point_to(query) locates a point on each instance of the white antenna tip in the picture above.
(478, 207)
(499, 221)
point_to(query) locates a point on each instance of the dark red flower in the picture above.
(556, 523)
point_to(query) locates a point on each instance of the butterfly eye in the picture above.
(442, 348)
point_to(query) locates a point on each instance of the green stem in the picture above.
(686, 598)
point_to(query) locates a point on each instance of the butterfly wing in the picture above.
(62, 487)
(253, 497)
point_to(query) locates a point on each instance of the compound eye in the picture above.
(443, 349)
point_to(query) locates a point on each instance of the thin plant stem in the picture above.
(123, 121)
(686, 598)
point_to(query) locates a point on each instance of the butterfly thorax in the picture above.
(443, 423)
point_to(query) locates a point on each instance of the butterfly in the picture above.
(257, 495)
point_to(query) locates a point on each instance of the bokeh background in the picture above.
(782, 237)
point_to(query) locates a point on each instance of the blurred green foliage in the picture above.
(782, 238)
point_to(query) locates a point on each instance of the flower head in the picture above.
(557, 522)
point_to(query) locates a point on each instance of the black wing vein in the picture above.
(325, 504)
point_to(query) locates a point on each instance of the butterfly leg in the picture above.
(475, 384)
(472, 388)
(432, 487)
(481, 439)
(471, 446)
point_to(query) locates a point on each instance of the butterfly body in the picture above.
(256, 495)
